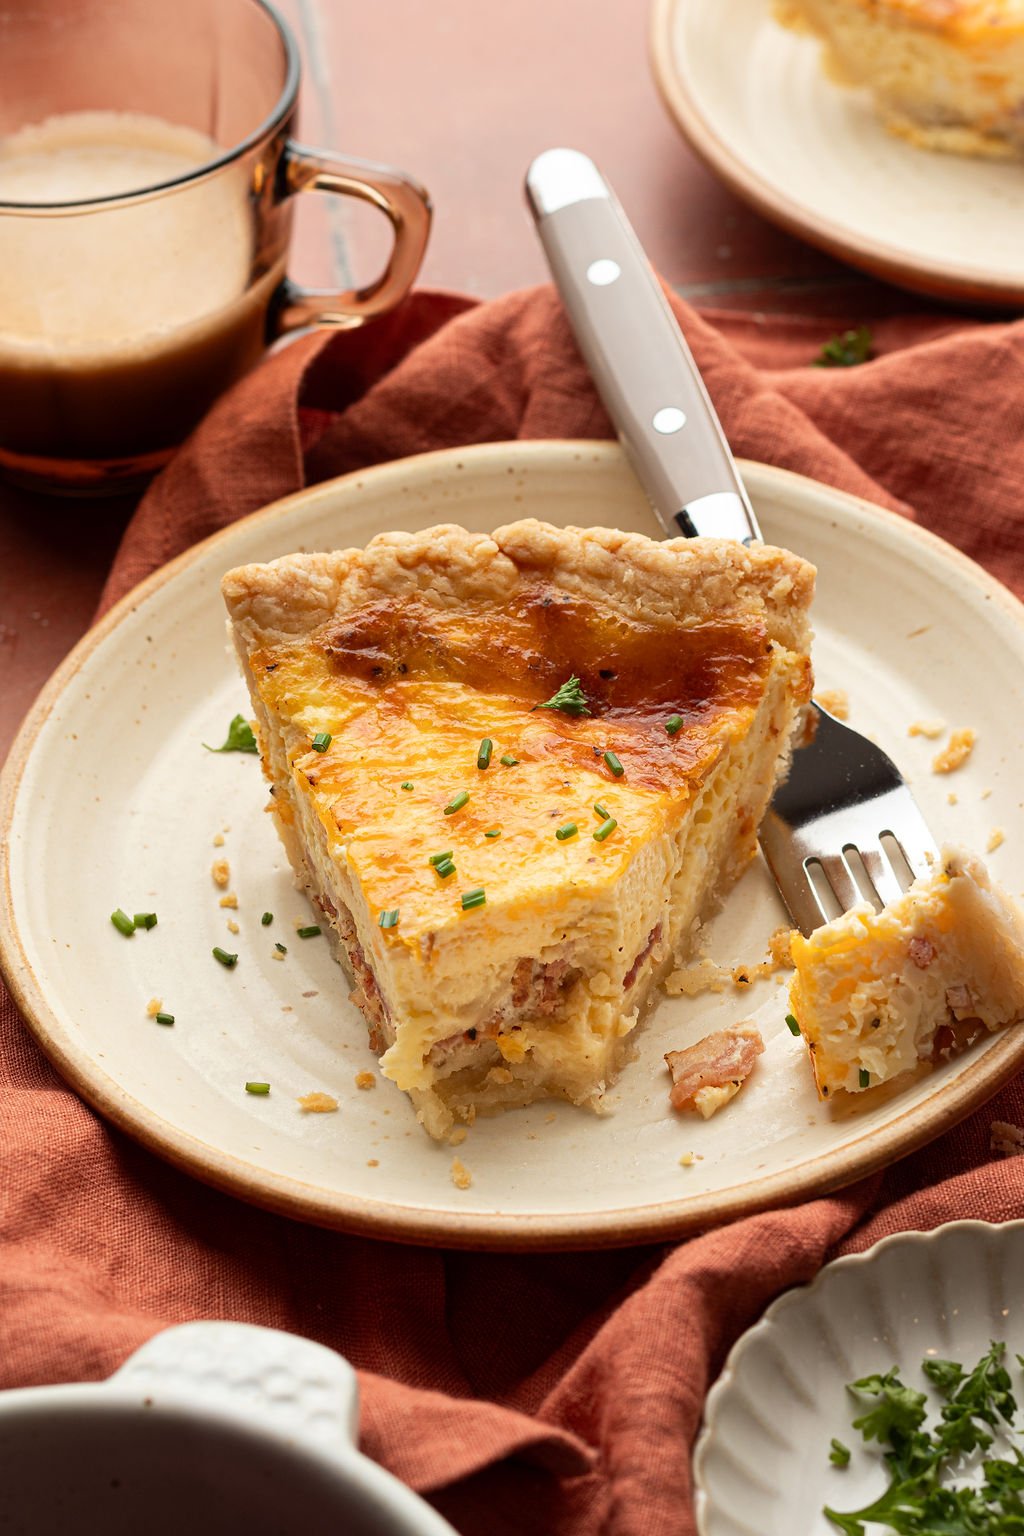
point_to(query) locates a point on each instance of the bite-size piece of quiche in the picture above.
(946, 74)
(876, 993)
(515, 772)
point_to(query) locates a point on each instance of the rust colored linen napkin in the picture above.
(556, 1394)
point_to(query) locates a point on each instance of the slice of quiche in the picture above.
(874, 993)
(946, 74)
(514, 772)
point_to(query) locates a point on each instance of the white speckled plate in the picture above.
(761, 1464)
(753, 101)
(109, 800)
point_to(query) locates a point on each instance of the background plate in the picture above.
(110, 800)
(761, 1464)
(752, 99)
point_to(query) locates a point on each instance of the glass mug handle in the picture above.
(405, 203)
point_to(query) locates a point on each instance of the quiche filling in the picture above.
(505, 877)
(875, 993)
(946, 74)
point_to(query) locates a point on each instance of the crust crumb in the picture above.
(365, 1080)
(461, 1176)
(956, 751)
(996, 839)
(275, 954)
(220, 869)
(230, 900)
(836, 701)
(372, 1162)
(1007, 1138)
(951, 799)
(705, 976)
(218, 839)
(317, 1104)
(458, 1136)
(154, 1006)
(933, 729)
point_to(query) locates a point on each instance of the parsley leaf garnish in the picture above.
(240, 737)
(570, 699)
(847, 349)
(918, 1502)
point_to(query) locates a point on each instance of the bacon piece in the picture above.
(958, 998)
(536, 991)
(634, 970)
(721, 1060)
(922, 951)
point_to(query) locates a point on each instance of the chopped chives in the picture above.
(606, 829)
(281, 949)
(445, 869)
(794, 1027)
(674, 724)
(407, 784)
(312, 932)
(144, 919)
(441, 858)
(601, 813)
(267, 919)
(259, 1089)
(389, 919)
(472, 899)
(164, 1018)
(508, 761)
(123, 923)
(493, 832)
(483, 756)
(614, 764)
(864, 1077)
(321, 741)
(223, 956)
(569, 830)
(456, 805)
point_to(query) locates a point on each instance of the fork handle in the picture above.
(636, 353)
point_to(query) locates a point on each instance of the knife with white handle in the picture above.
(635, 351)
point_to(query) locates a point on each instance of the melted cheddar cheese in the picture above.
(407, 694)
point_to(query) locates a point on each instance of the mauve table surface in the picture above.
(462, 95)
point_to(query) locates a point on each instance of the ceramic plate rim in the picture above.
(934, 277)
(284, 1194)
(798, 1295)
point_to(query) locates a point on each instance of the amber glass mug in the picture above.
(147, 177)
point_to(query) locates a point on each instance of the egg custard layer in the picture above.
(875, 993)
(946, 74)
(587, 842)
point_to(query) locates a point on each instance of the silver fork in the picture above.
(845, 808)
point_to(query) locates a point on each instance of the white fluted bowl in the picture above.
(761, 1465)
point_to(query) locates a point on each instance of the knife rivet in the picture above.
(603, 272)
(669, 419)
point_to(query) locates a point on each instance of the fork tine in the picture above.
(881, 874)
(837, 873)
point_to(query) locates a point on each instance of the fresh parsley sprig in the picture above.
(570, 699)
(846, 350)
(918, 1502)
(240, 737)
